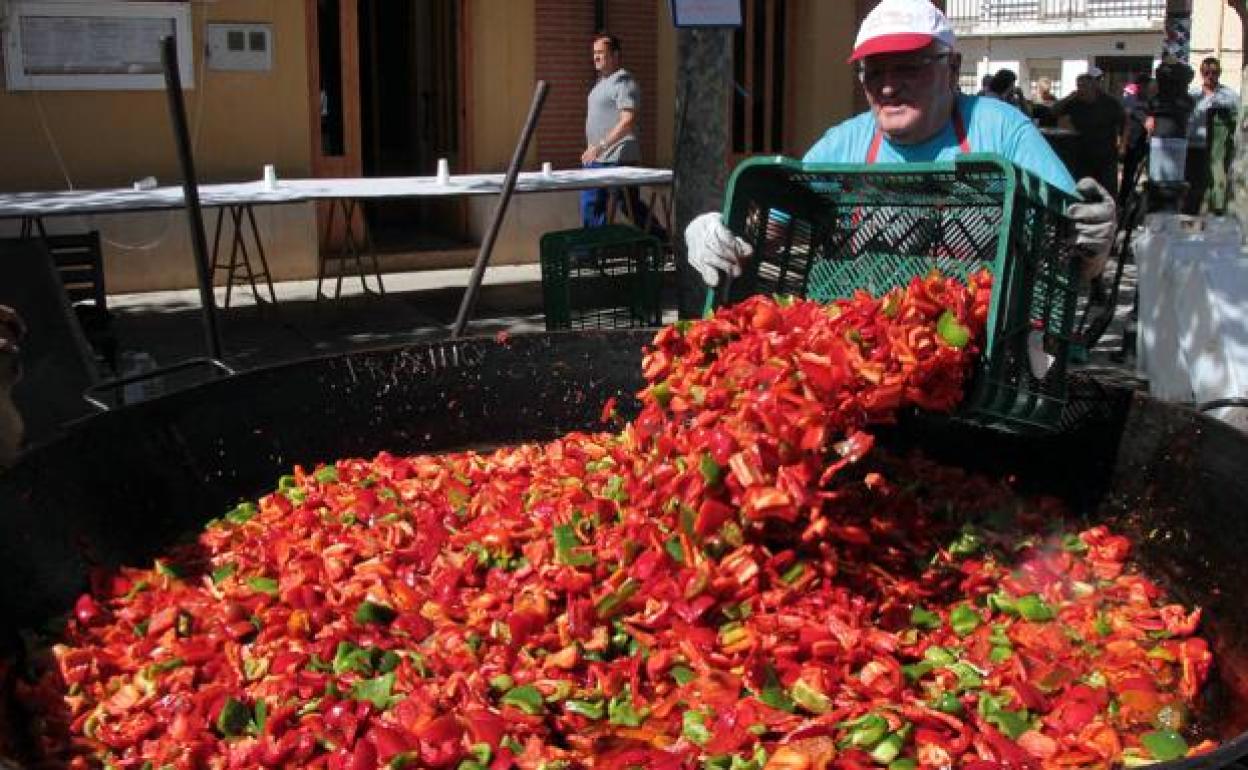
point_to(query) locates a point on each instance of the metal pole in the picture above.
(190, 191)
(500, 211)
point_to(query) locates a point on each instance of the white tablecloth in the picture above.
(1193, 315)
(118, 200)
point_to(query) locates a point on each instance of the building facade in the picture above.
(1061, 39)
(385, 88)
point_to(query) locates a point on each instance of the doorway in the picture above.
(409, 117)
(1119, 70)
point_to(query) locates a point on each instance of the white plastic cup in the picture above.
(444, 171)
(270, 176)
(548, 169)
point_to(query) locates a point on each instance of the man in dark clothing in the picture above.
(1099, 118)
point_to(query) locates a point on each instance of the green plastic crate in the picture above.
(607, 277)
(823, 230)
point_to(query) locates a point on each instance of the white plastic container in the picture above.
(1167, 159)
(1213, 334)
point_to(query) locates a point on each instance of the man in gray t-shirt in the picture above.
(611, 131)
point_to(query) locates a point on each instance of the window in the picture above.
(98, 45)
(1044, 68)
(758, 68)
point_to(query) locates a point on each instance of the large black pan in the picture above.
(124, 485)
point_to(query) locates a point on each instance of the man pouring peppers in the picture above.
(908, 66)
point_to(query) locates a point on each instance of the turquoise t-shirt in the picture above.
(991, 126)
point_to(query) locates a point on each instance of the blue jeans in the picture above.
(595, 201)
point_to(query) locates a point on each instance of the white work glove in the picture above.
(1096, 224)
(713, 248)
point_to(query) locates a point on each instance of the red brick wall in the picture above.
(565, 37)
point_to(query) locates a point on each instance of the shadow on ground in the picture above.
(254, 336)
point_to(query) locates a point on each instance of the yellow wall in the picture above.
(240, 121)
(1216, 31)
(821, 91)
(109, 138)
(501, 69)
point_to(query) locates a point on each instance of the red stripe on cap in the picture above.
(902, 42)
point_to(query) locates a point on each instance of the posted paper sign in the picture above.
(706, 13)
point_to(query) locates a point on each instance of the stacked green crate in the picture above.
(601, 278)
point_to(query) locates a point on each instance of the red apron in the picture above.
(959, 131)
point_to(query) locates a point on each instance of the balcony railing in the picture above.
(969, 12)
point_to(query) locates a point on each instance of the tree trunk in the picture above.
(1238, 206)
(703, 77)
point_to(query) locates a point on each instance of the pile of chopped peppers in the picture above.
(737, 579)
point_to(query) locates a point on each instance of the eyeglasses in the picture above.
(908, 69)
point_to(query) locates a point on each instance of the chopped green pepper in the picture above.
(376, 691)
(1035, 609)
(372, 612)
(923, 618)
(952, 331)
(1164, 745)
(620, 710)
(568, 548)
(525, 698)
(590, 709)
(242, 513)
(867, 731)
(693, 727)
(611, 603)
(265, 585)
(963, 620)
(233, 719)
(810, 698)
(682, 674)
(711, 472)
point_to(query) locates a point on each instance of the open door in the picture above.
(409, 90)
(333, 67)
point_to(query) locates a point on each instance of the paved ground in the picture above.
(416, 307)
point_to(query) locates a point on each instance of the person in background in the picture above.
(1099, 119)
(985, 85)
(1134, 134)
(1042, 105)
(908, 67)
(11, 332)
(1004, 86)
(1044, 91)
(1210, 141)
(611, 135)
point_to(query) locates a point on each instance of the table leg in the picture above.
(216, 242)
(240, 241)
(323, 257)
(629, 208)
(30, 225)
(371, 250)
(264, 262)
(360, 247)
(233, 268)
(348, 243)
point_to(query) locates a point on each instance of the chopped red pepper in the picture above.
(736, 578)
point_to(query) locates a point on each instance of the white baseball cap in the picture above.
(1095, 71)
(900, 26)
